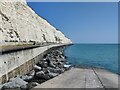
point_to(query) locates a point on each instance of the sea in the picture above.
(103, 56)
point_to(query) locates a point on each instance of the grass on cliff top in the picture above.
(17, 45)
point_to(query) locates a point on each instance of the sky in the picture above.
(82, 22)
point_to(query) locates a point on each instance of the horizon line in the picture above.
(95, 43)
(62, 1)
(73, 0)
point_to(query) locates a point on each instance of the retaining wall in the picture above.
(21, 62)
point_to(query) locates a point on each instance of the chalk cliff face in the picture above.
(19, 23)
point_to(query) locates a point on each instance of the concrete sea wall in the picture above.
(21, 62)
(20, 26)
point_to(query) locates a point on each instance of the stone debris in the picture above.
(52, 64)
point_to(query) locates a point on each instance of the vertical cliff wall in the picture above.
(19, 23)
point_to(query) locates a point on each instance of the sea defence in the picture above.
(21, 26)
(21, 62)
(82, 79)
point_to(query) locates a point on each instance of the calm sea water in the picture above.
(94, 55)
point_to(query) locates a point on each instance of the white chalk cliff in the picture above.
(19, 23)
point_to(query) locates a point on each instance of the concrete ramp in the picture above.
(82, 78)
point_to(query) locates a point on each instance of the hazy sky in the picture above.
(82, 22)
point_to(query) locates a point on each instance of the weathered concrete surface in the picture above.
(108, 79)
(83, 78)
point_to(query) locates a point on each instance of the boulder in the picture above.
(1, 86)
(56, 70)
(42, 75)
(46, 70)
(62, 70)
(31, 73)
(67, 67)
(38, 74)
(52, 65)
(16, 83)
(48, 59)
(60, 65)
(62, 57)
(37, 68)
(53, 75)
(10, 86)
(52, 70)
(32, 84)
(43, 64)
(26, 78)
(59, 52)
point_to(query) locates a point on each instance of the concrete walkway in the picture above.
(14, 48)
(82, 78)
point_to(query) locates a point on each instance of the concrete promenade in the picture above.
(14, 48)
(83, 78)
